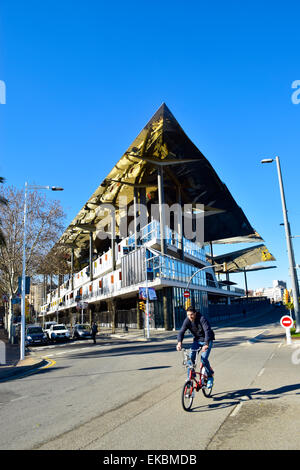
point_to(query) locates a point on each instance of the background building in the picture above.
(275, 293)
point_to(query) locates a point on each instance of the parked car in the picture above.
(59, 332)
(34, 334)
(47, 326)
(81, 331)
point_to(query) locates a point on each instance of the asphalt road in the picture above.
(127, 395)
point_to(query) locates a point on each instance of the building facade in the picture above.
(148, 228)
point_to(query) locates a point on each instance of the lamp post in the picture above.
(293, 272)
(27, 187)
(206, 267)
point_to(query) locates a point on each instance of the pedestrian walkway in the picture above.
(13, 366)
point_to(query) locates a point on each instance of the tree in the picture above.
(3, 202)
(44, 226)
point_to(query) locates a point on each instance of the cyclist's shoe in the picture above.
(210, 382)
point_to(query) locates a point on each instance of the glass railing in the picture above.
(165, 267)
(152, 232)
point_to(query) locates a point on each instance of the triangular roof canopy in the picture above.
(163, 141)
(240, 259)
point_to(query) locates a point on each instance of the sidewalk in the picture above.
(13, 366)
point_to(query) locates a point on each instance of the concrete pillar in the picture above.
(179, 224)
(143, 208)
(228, 288)
(161, 201)
(72, 269)
(135, 215)
(91, 256)
(112, 308)
(113, 239)
(165, 309)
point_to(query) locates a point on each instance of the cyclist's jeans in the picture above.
(204, 355)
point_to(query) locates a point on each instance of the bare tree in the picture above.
(44, 226)
(3, 202)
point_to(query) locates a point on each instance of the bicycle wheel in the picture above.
(206, 391)
(187, 395)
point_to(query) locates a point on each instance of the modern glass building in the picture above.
(149, 227)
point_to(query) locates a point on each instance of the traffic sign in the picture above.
(286, 321)
(82, 305)
(186, 294)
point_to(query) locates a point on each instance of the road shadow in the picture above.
(234, 397)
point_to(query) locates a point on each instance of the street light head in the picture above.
(56, 188)
(267, 160)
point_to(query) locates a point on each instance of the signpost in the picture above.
(82, 306)
(186, 294)
(287, 322)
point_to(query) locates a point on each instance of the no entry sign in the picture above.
(186, 294)
(286, 321)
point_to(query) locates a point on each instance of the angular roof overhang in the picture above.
(238, 260)
(163, 142)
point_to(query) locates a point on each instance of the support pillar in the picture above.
(165, 309)
(72, 269)
(161, 201)
(143, 208)
(91, 256)
(112, 307)
(228, 288)
(135, 204)
(246, 286)
(179, 223)
(113, 239)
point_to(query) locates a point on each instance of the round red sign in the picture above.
(186, 294)
(286, 321)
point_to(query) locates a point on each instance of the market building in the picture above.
(150, 227)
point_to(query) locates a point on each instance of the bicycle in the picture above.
(192, 384)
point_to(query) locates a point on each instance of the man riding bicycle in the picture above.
(200, 328)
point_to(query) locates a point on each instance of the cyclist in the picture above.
(200, 328)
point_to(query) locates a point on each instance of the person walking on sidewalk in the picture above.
(200, 328)
(94, 331)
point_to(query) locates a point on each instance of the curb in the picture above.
(20, 370)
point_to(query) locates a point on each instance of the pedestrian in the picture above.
(94, 331)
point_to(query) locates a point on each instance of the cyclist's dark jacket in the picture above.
(200, 329)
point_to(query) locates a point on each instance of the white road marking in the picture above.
(237, 409)
(20, 398)
(261, 372)
(239, 405)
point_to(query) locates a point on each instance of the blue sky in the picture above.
(78, 74)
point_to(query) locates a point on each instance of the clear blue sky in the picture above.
(83, 78)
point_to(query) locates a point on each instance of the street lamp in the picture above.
(27, 187)
(206, 267)
(293, 272)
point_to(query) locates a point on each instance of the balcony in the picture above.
(130, 271)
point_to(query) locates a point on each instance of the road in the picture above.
(126, 395)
